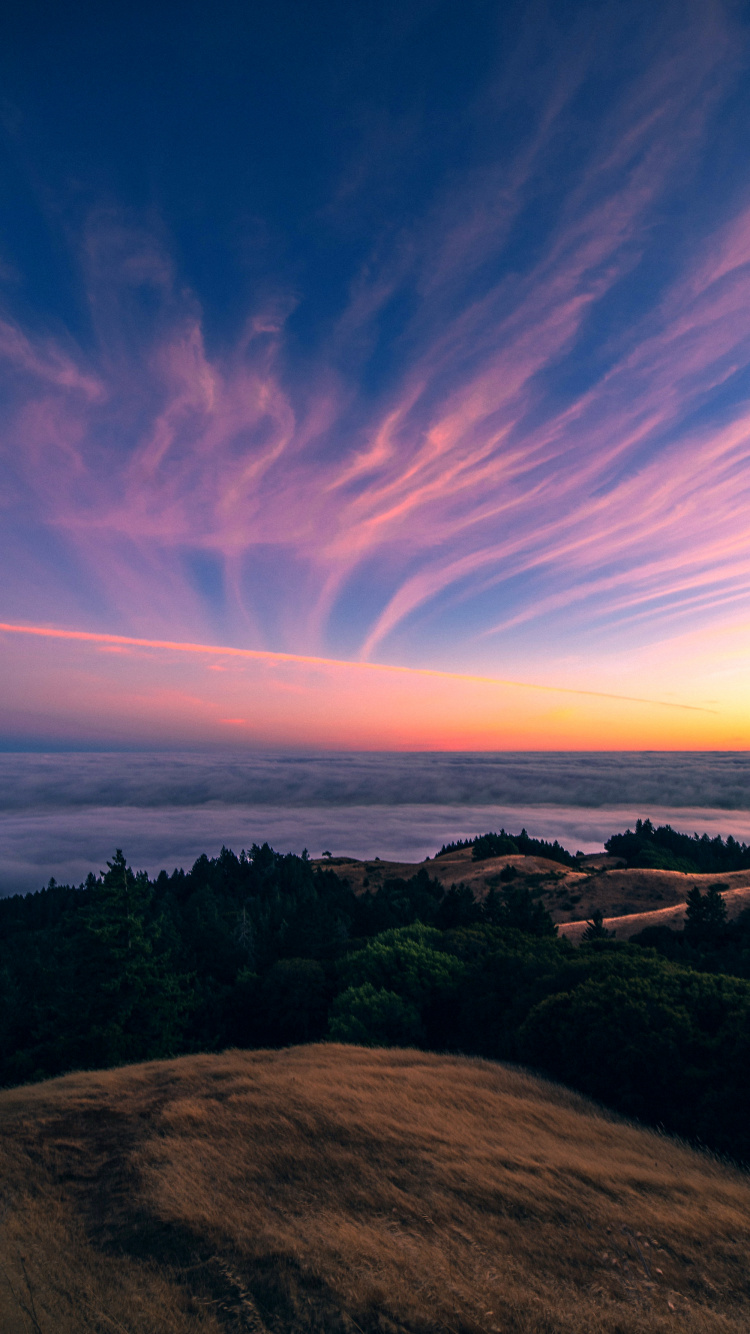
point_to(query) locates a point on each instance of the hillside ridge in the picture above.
(569, 896)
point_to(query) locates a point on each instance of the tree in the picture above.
(458, 908)
(515, 907)
(595, 929)
(706, 916)
(666, 849)
(494, 845)
(627, 1045)
(409, 960)
(292, 1002)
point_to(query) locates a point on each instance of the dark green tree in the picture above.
(706, 916)
(516, 907)
(409, 961)
(292, 1002)
(595, 929)
(494, 845)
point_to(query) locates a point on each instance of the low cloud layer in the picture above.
(43, 782)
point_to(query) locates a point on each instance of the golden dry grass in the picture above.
(453, 868)
(622, 928)
(569, 896)
(339, 1189)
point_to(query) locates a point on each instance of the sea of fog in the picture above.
(63, 815)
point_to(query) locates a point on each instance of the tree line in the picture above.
(663, 848)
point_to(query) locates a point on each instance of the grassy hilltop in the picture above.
(329, 1189)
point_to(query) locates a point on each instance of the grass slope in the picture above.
(736, 901)
(341, 1189)
(570, 897)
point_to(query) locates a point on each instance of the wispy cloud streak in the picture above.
(115, 642)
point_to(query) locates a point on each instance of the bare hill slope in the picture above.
(342, 1189)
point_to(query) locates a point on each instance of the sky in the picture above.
(375, 376)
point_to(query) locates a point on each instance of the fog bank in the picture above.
(682, 779)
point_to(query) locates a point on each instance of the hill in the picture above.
(736, 899)
(339, 1189)
(569, 896)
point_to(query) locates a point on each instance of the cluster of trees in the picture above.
(509, 845)
(665, 849)
(265, 949)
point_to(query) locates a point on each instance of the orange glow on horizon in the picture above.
(151, 693)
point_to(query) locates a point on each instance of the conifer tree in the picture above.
(134, 997)
(595, 928)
